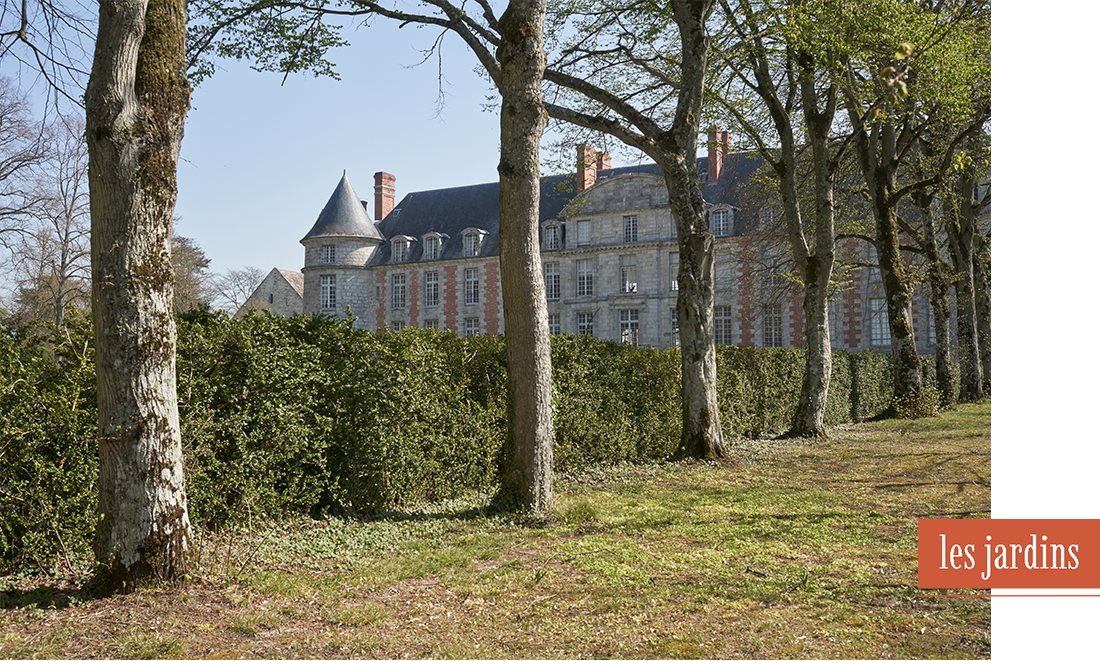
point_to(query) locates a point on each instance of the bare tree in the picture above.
(50, 256)
(23, 147)
(230, 290)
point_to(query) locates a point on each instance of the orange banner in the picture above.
(1008, 553)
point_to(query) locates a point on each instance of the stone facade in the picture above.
(280, 293)
(609, 255)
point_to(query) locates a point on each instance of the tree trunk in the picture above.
(903, 344)
(960, 236)
(527, 338)
(941, 317)
(816, 265)
(701, 434)
(137, 99)
(984, 307)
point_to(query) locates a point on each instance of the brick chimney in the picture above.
(718, 145)
(589, 162)
(384, 192)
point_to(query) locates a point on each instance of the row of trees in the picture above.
(824, 78)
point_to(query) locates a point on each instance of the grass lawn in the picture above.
(804, 549)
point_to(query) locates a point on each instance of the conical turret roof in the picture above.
(344, 216)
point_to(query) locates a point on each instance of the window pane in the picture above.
(583, 233)
(630, 229)
(628, 274)
(584, 277)
(773, 326)
(472, 292)
(399, 291)
(431, 289)
(723, 324)
(880, 325)
(584, 323)
(552, 278)
(328, 292)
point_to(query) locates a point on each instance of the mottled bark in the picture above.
(939, 284)
(876, 149)
(984, 307)
(899, 298)
(137, 100)
(815, 260)
(701, 434)
(522, 120)
(960, 236)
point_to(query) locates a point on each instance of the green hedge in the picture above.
(306, 414)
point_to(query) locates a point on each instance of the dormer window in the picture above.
(400, 250)
(471, 242)
(551, 236)
(433, 245)
(328, 254)
(721, 222)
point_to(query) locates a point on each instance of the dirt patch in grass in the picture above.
(803, 549)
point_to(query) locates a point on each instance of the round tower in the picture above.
(337, 250)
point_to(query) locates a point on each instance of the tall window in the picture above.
(328, 254)
(397, 326)
(723, 324)
(553, 281)
(432, 247)
(555, 323)
(551, 237)
(628, 274)
(584, 323)
(773, 326)
(431, 323)
(328, 292)
(629, 328)
(584, 277)
(473, 326)
(720, 222)
(399, 291)
(674, 324)
(630, 229)
(431, 289)
(931, 324)
(673, 270)
(772, 277)
(471, 244)
(880, 323)
(472, 293)
(400, 251)
(584, 232)
(875, 274)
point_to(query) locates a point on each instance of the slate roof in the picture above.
(343, 216)
(295, 279)
(449, 211)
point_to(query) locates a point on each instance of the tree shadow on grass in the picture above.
(42, 596)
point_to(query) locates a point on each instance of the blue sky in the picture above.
(260, 158)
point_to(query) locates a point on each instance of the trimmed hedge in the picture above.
(306, 414)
